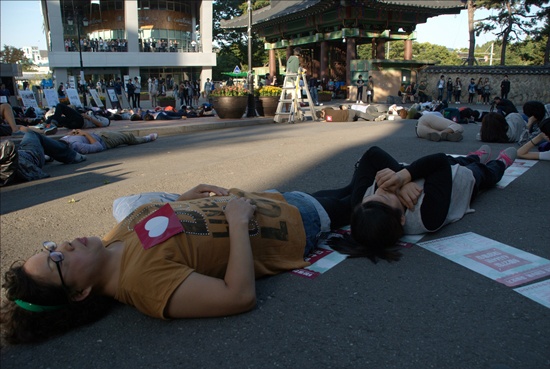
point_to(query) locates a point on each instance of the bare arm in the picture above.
(523, 151)
(203, 190)
(203, 296)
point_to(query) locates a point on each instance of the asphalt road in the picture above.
(422, 312)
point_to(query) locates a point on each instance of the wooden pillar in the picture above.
(288, 52)
(324, 60)
(351, 53)
(373, 50)
(272, 62)
(408, 49)
(380, 49)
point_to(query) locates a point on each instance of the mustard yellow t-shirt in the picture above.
(149, 277)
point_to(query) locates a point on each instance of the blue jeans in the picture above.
(485, 175)
(314, 218)
(440, 94)
(38, 145)
(314, 95)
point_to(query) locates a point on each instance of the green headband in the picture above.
(37, 308)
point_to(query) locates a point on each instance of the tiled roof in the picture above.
(287, 8)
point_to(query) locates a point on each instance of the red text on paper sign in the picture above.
(497, 259)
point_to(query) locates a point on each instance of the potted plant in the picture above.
(267, 100)
(324, 96)
(165, 101)
(230, 101)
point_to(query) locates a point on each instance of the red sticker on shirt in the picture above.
(158, 227)
(329, 118)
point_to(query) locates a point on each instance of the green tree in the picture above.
(13, 55)
(512, 21)
(234, 44)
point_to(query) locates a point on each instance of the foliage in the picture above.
(230, 91)
(512, 22)
(225, 9)
(12, 55)
(234, 44)
(256, 4)
(165, 98)
(268, 91)
(421, 51)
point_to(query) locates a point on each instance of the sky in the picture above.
(21, 25)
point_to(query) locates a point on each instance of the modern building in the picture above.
(105, 39)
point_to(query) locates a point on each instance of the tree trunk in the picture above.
(472, 47)
(547, 51)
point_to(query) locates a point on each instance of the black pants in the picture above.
(137, 100)
(66, 116)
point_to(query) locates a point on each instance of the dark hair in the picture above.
(534, 109)
(148, 116)
(134, 117)
(297, 50)
(494, 128)
(467, 113)
(545, 126)
(22, 326)
(375, 230)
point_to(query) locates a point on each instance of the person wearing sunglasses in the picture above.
(162, 257)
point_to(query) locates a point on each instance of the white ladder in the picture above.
(291, 99)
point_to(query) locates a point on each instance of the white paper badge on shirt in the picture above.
(158, 227)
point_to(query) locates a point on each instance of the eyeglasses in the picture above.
(57, 257)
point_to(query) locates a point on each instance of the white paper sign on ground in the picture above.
(495, 260)
(74, 99)
(96, 98)
(519, 167)
(52, 98)
(27, 97)
(539, 292)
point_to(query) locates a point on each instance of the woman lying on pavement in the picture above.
(433, 191)
(218, 244)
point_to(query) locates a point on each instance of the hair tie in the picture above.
(37, 308)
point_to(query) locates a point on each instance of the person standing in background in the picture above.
(440, 88)
(505, 87)
(153, 91)
(471, 91)
(207, 88)
(370, 90)
(360, 84)
(137, 93)
(450, 89)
